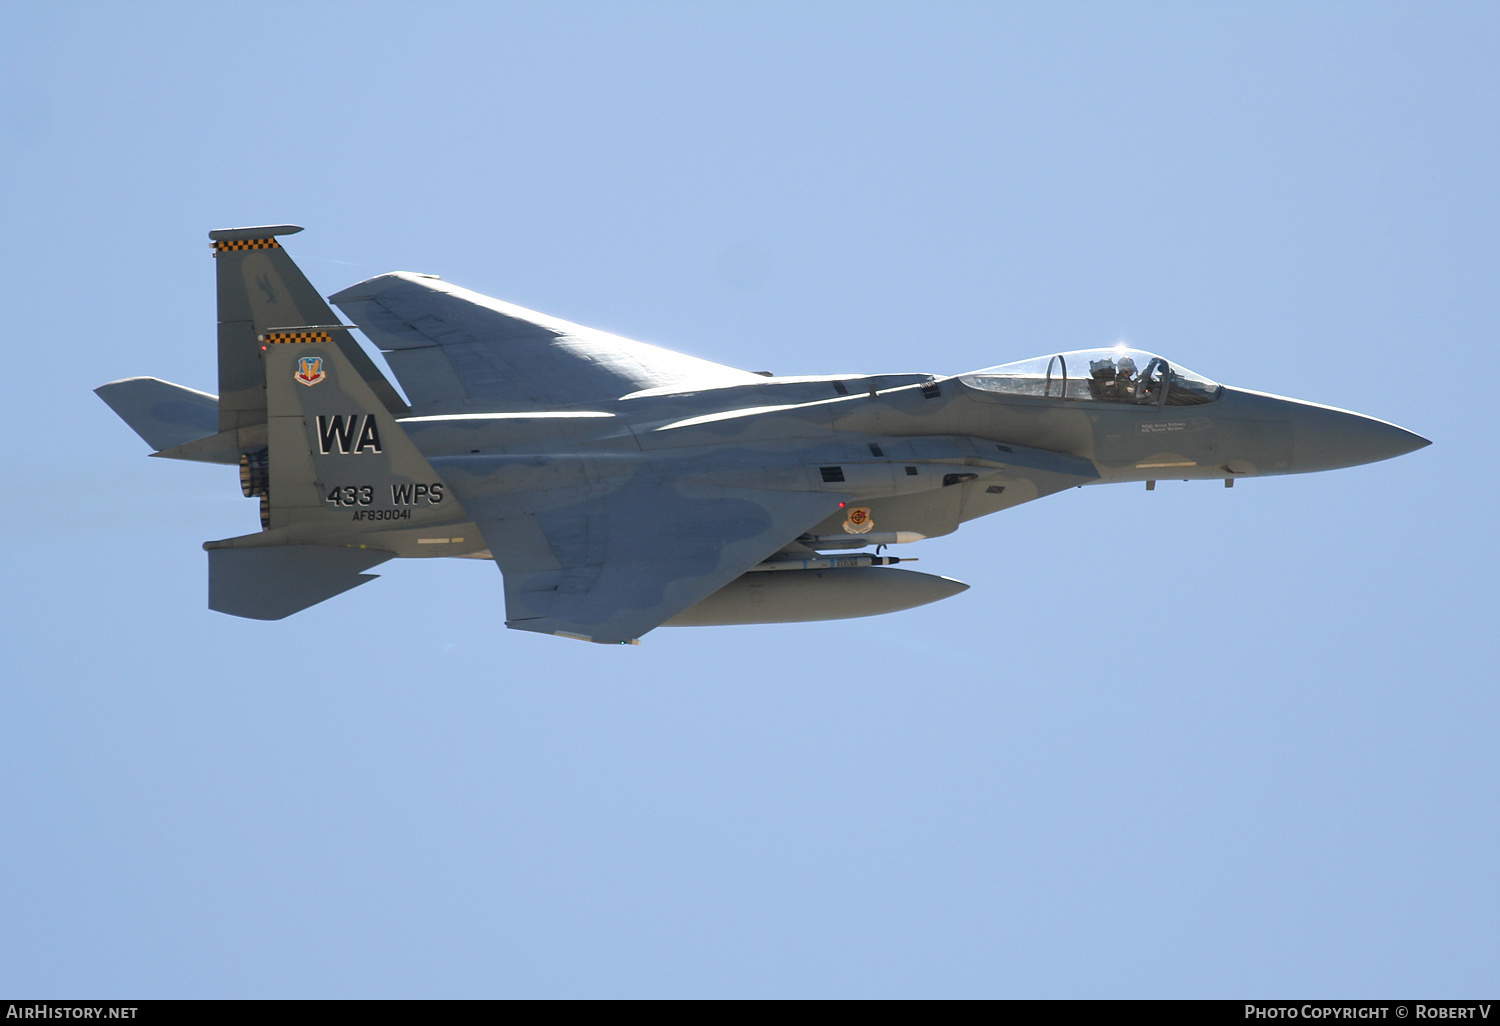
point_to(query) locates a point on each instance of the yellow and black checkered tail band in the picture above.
(296, 336)
(225, 245)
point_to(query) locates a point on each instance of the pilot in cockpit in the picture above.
(1102, 380)
(1125, 379)
(1117, 379)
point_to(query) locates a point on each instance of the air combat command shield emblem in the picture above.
(310, 370)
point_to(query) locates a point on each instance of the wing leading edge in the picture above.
(453, 349)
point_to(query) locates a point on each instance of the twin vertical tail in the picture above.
(261, 291)
(314, 425)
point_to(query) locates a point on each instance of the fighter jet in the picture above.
(620, 486)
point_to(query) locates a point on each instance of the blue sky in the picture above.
(1194, 742)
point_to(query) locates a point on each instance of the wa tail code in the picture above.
(350, 434)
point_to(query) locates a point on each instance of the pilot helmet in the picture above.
(1126, 365)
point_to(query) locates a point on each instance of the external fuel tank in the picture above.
(797, 596)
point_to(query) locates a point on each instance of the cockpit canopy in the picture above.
(1117, 375)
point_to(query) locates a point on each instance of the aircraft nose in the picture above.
(1324, 438)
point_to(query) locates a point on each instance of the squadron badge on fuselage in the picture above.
(858, 521)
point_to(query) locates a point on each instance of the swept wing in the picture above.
(609, 561)
(455, 350)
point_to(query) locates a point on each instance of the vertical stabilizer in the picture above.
(262, 290)
(337, 458)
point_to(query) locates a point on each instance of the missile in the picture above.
(829, 562)
(854, 541)
(798, 596)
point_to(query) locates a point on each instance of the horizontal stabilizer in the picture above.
(163, 414)
(275, 581)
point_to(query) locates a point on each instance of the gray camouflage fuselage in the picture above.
(621, 486)
(780, 434)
